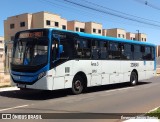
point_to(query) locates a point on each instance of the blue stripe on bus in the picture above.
(28, 77)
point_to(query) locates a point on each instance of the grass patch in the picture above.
(155, 113)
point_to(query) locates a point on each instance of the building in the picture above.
(141, 37)
(1, 50)
(76, 26)
(158, 51)
(116, 32)
(93, 28)
(104, 32)
(48, 20)
(130, 36)
(16, 23)
(29, 21)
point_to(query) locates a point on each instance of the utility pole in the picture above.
(138, 34)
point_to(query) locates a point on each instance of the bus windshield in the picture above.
(30, 51)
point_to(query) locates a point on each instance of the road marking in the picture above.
(13, 107)
(119, 89)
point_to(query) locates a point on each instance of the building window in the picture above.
(77, 29)
(48, 22)
(57, 24)
(12, 38)
(1, 41)
(99, 31)
(1, 49)
(94, 30)
(123, 35)
(119, 35)
(145, 39)
(81, 30)
(22, 24)
(64, 27)
(11, 26)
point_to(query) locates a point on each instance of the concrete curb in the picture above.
(144, 120)
(9, 89)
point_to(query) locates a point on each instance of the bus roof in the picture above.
(107, 38)
(102, 37)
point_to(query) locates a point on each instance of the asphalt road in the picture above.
(109, 100)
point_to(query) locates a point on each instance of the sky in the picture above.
(72, 12)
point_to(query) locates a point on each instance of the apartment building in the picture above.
(48, 20)
(141, 37)
(1, 54)
(116, 32)
(16, 23)
(30, 21)
(130, 36)
(93, 28)
(76, 26)
(104, 32)
(158, 51)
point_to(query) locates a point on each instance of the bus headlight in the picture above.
(41, 75)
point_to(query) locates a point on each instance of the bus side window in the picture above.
(127, 52)
(137, 52)
(95, 49)
(103, 49)
(148, 54)
(153, 52)
(114, 50)
(83, 48)
(79, 48)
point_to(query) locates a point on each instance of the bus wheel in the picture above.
(133, 79)
(77, 85)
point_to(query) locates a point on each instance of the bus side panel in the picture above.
(141, 68)
(111, 72)
(150, 72)
(62, 77)
(45, 83)
(85, 67)
(126, 69)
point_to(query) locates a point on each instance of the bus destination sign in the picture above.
(31, 34)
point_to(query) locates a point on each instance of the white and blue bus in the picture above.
(51, 59)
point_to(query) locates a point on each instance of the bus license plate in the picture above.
(21, 86)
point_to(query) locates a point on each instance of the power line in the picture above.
(106, 12)
(145, 2)
(111, 13)
(120, 11)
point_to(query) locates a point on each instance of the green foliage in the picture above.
(155, 113)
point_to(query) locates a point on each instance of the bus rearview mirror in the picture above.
(60, 49)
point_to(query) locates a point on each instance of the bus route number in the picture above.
(134, 64)
(94, 64)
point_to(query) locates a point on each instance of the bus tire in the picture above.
(133, 79)
(77, 85)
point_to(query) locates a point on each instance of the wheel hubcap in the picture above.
(133, 80)
(77, 85)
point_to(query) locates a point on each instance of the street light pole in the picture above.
(138, 34)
